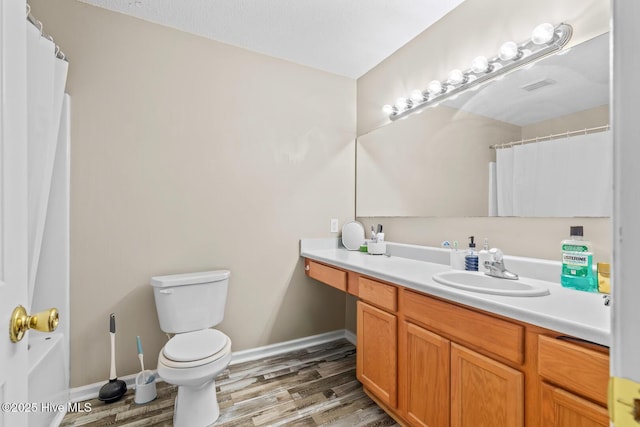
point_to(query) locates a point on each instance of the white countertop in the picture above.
(579, 314)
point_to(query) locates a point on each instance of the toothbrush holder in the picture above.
(376, 248)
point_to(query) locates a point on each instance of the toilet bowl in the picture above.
(188, 305)
(194, 373)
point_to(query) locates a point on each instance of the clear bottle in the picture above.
(457, 257)
(471, 259)
(484, 256)
(577, 263)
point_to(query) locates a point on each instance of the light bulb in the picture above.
(456, 77)
(388, 109)
(417, 96)
(542, 34)
(401, 104)
(480, 64)
(435, 87)
(508, 50)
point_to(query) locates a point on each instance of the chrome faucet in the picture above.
(496, 268)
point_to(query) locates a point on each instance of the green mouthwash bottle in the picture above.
(577, 263)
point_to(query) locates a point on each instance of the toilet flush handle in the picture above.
(166, 291)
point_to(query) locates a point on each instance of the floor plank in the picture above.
(312, 387)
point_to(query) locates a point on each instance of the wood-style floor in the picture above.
(311, 387)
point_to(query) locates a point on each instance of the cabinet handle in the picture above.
(307, 267)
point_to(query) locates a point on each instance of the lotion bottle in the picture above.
(484, 256)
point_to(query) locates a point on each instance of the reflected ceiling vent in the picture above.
(538, 85)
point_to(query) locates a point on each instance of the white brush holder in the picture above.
(145, 392)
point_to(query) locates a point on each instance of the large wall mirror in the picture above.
(440, 161)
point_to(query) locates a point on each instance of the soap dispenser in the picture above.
(484, 256)
(471, 259)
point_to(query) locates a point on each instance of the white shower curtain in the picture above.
(567, 177)
(46, 78)
(47, 120)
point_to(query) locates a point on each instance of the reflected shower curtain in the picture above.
(566, 177)
(46, 78)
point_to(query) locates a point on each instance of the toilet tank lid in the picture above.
(189, 278)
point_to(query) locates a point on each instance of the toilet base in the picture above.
(196, 406)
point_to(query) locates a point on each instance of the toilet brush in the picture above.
(151, 377)
(115, 388)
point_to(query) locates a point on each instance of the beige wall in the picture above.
(477, 27)
(188, 155)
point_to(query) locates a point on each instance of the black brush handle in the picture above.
(112, 323)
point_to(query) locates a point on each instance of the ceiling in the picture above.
(573, 81)
(347, 38)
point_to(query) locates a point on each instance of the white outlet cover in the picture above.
(334, 225)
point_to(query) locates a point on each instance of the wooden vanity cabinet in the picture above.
(430, 362)
(560, 408)
(484, 392)
(377, 338)
(445, 383)
(424, 369)
(376, 358)
(574, 383)
(326, 274)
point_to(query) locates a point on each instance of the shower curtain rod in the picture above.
(550, 137)
(38, 24)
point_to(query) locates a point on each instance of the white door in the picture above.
(625, 349)
(13, 209)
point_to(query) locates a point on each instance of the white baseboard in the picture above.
(90, 391)
(86, 392)
(285, 347)
(58, 418)
(350, 336)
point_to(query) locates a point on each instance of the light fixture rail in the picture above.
(545, 40)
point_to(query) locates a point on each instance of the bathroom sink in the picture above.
(480, 282)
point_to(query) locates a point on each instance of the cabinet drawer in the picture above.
(574, 367)
(329, 275)
(378, 293)
(497, 336)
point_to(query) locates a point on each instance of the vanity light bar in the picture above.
(545, 39)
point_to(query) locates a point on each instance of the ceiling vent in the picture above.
(538, 85)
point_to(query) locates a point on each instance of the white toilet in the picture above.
(187, 305)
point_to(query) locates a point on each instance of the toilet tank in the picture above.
(192, 301)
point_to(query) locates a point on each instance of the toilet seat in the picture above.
(196, 348)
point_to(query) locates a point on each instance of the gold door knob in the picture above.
(45, 321)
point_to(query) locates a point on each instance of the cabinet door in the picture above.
(563, 409)
(484, 393)
(426, 377)
(376, 352)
